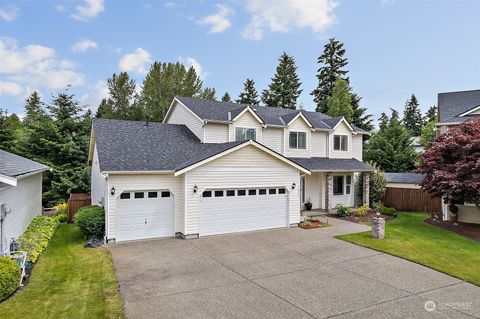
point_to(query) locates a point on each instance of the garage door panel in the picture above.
(228, 214)
(143, 218)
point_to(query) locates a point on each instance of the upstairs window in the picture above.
(298, 140)
(340, 143)
(244, 134)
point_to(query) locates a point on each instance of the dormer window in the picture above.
(245, 133)
(340, 143)
(298, 140)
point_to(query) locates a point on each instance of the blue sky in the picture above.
(395, 47)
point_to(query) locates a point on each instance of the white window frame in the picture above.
(297, 147)
(246, 129)
(340, 144)
(345, 185)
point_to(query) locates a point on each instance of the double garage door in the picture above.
(150, 214)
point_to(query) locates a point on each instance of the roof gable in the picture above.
(248, 109)
(457, 107)
(14, 166)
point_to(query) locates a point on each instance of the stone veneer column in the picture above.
(328, 190)
(366, 188)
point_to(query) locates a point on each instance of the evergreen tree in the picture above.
(208, 94)
(428, 133)
(226, 97)
(163, 82)
(340, 103)
(332, 62)
(104, 110)
(7, 135)
(412, 117)
(34, 108)
(284, 90)
(431, 115)
(390, 147)
(383, 120)
(121, 102)
(249, 94)
(360, 118)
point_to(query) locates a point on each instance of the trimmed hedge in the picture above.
(35, 239)
(9, 277)
(91, 220)
(390, 211)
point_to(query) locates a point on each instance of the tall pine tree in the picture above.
(431, 115)
(390, 147)
(226, 97)
(34, 110)
(360, 117)
(163, 82)
(7, 136)
(207, 94)
(249, 94)
(340, 103)
(332, 62)
(412, 116)
(284, 89)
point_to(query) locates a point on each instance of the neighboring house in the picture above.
(214, 168)
(455, 108)
(403, 192)
(20, 196)
(415, 141)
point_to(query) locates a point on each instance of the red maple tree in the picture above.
(452, 164)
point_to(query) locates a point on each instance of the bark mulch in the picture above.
(465, 229)
(353, 217)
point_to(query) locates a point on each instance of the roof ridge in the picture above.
(450, 92)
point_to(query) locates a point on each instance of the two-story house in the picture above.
(214, 168)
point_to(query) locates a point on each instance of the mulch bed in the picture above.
(467, 230)
(353, 217)
(313, 223)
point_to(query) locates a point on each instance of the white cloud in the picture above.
(191, 62)
(136, 61)
(95, 94)
(90, 9)
(219, 21)
(34, 66)
(84, 45)
(283, 15)
(9, 13)
(60, 8)
(169, 5)
(386, 3)
(10, 88)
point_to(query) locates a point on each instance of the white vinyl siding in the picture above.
(247, 120)
(357, 147)
(245, 168)
(298, 125)
(144, 182)
(216, 133)
(273, 139)
(468, 214)
(99, 184)
(342, 129)
(25, 202)
(319, 144)
(181, 115)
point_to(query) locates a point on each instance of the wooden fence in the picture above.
(410, 199)
(75, 202)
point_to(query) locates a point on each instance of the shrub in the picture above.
(35, 239)
(91, 220)
(60, 218)
(362, 210)
(390, 211)
(342, 210)
(378, 184)
(9, 277)
(61, 208)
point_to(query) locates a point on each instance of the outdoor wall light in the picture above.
(112, 191)
(195, 188)
(294, 185)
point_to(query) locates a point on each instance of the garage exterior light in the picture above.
(195, 188)
(294, 185)
(112, 191)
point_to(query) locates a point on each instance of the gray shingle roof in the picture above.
(452, 104)
(325, 164)
(13, 165)
(133, 146)
(218, 111)
(404, 178)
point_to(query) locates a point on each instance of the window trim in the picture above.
(343, 185)
(297, 134)
(246, 129)
(340, 144)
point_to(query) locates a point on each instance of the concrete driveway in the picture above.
(284, 273)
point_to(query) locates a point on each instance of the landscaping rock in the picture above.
(94, 243)
(378, 228)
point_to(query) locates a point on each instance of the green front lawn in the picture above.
(410, 238)
(68, 281)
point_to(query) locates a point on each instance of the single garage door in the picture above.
(235, 210)
(144, 214)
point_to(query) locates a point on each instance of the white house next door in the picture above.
(225, 211)
(144, 214)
